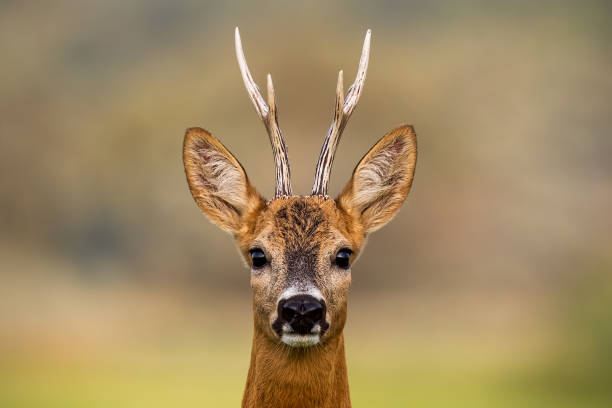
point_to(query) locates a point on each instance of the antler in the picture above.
(344, 108)
(268, 115)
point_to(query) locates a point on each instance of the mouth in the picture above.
(294, 339)
(300, 340)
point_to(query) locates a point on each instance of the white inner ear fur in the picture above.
(220, 177)
(372, 179)
(227, 180)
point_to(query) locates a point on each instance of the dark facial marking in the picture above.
(302, 226)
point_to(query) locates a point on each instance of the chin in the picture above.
(300, 340)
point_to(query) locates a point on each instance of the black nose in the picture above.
(301, 312)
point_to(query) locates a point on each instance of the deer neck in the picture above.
(280, 376)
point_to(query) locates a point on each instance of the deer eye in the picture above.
(258, 257)
(342, 258)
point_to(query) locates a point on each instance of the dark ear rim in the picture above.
(344, 199)
(252, 198)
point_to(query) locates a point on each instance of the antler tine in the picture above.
(343, 111)
(355, 90)
(267, 113)
(251, 86)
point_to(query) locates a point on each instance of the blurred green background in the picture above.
(491, 288)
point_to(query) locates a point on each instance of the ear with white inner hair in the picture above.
(217, 181)
(382, 179)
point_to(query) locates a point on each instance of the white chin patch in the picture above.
(300, 340)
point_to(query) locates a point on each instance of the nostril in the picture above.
(312, 310)
(289, 310)
(314, 315)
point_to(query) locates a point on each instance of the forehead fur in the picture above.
(303, 222)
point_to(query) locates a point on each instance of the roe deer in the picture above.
(300, 248)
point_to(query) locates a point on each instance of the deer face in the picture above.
(300, 249)
(300, 255)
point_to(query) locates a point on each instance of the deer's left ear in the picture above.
(382, 179)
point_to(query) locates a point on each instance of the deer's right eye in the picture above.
(258, 257)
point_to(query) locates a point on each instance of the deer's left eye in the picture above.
(342, 258)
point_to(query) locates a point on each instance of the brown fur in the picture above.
(300, 237)
(283, 377)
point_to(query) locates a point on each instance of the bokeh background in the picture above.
(491, 288)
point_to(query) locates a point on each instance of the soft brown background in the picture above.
(492, 287)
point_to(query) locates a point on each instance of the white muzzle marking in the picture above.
(300, 340)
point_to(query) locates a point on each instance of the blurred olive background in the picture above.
(491, 288)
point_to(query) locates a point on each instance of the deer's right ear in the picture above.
(218, 181)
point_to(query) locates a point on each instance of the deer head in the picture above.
(300, 249)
